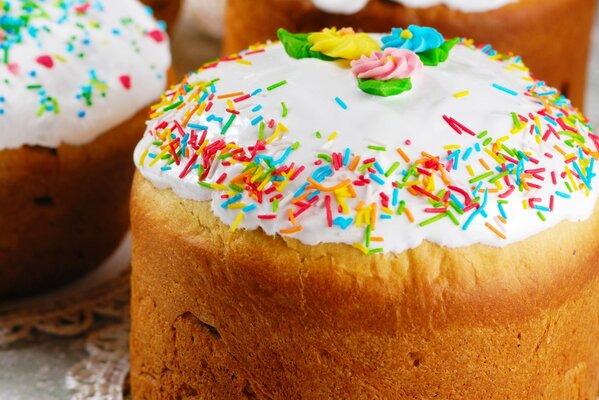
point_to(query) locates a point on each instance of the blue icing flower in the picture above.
(415, 38)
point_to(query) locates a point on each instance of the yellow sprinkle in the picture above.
(452, 147)
(237, 221)
(525, 204)
(361, 247)
(461, 94)
(157, 158)
(143, 157)
(470, 170)
(332, 137)
(571, 179)
(236, 206)
(230, 105)
(244, 62)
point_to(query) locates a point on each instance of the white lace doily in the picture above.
(73, 309)
(103, 374)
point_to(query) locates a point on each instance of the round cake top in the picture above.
(353, 6)
(379, 142)
(72, 69)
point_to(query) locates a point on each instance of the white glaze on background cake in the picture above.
(412, 121)
(76, 69)
(353, 6)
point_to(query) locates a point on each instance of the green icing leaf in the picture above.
(434, 57)
(388, 88)
(297, 46)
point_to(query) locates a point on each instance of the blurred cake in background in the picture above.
(165, 10)
(552, 36)
(207, 15)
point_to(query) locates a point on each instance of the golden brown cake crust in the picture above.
(64, 210)
(553, 36)
(221, 315)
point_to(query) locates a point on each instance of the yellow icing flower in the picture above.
(344, 43)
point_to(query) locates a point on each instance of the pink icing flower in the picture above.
(391, 63)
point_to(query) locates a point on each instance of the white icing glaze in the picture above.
(353, 6)
(309, 94)
(114, 38)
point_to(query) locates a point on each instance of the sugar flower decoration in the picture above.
(344, 43)
(388, 64)
(415, 38)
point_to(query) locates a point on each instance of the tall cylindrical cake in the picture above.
(75, 80)
(553, 36)
(358, 216)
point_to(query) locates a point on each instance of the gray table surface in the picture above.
(36, 369)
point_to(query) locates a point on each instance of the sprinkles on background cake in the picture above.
(72, 69)
(467, 149)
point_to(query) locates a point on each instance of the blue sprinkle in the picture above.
(395, 197)
(257, 108)
(257, 120)
(378, 168)
(301, 190)
(342, 222)
(152, 155)
(255, 92)
(313, 195)
(232, 200)
(504, 89)
(203, 97)
(467, 153)
(477, 147)
(346, 157)
(249, 208)
(562, 194)
(456, 201)
(197, 127)
(385, 216)
(502, 211)
(81, 114)
(542, 208)
(377, 179)
(165, 168)
(341, 103)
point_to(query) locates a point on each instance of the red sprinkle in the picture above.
(46, 61)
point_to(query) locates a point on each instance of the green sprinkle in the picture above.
(368, 229)
(392, 169)
(206, 185)
(236, 188)
(225, 156)
(318, 135)
(457, 209)
(541, 216)
(498, 176)
(480, 177)
(482, 134)
(174, 105)
(295, 145)
(261, 131)
(364, 167)
(200, 170)
(284, 109)
(508, 150)
(325, 157)
(502, 201)
(33, 87)
(487, 141)
(157, 143)
(275, 205)
(374, 251)
(568, 187)
(402, 205)
(516, 120)
(453, 218)
(228, 124)
(433, 219)
(276, 85)
(377, 148)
